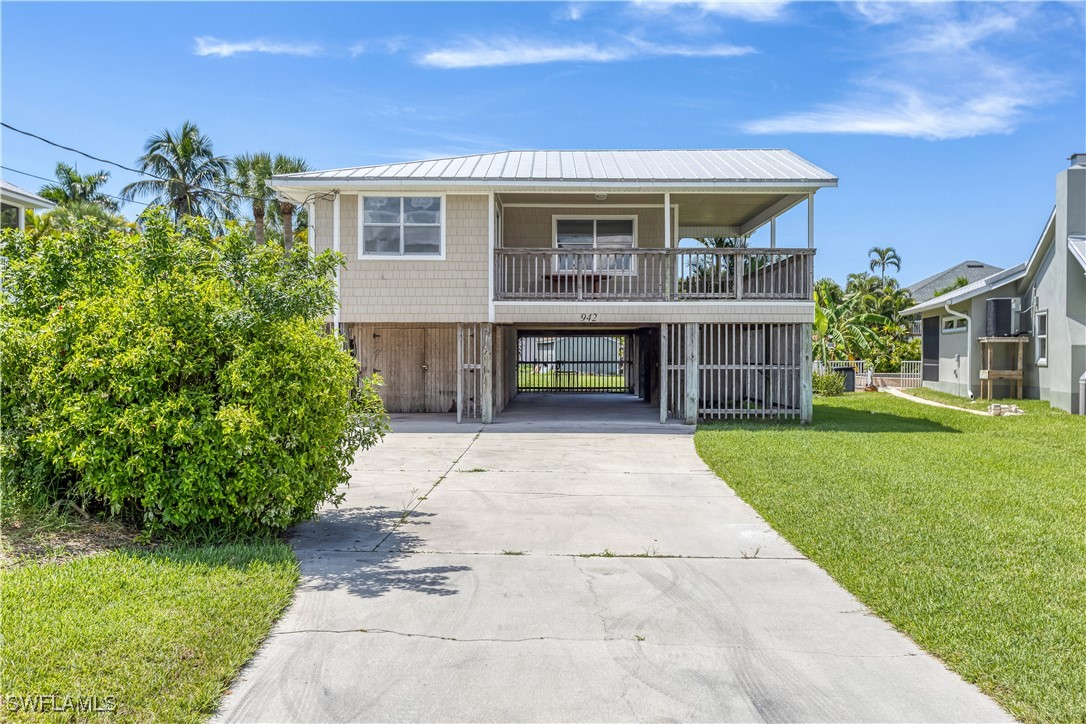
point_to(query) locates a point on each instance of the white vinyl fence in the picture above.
(907, 378)
(861, 367)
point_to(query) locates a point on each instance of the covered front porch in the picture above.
(646, 247)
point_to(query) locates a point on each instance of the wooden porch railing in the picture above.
(652, 275)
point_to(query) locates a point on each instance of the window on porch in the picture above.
(609, 236)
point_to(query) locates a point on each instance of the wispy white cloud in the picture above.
(508, 51)
(748, 10)
(751, 10)
(573, 11)
(208, 45)
(385, 45)
(908, 111)
(937, 79)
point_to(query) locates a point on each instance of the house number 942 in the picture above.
(588, 317)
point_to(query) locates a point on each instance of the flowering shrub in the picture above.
(175, 377)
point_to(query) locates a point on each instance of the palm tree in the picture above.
(281, 165)
(865, 288)
(882, 257)
(187, 175)
(893, 299)
(831, 291)
(844, 330)
(73, 188)
(250, 178)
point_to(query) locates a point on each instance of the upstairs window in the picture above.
(609, 236)
(409, 226)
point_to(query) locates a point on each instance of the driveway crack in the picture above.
(418, 500)
(604, 639)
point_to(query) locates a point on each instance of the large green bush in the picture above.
(176, 377)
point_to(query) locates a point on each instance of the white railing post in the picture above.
(737, 270)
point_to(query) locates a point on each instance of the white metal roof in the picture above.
(689, 167)
(969, 291)
(13, 194)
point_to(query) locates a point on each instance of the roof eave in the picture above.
(1040, 247)
(25, 200)
(286, 183)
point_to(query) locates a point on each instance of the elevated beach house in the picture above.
(454, 264)
(1019, 332)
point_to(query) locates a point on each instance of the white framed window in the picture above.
(606, 236)
(953, 324)
(409, 227)
(1040, 336)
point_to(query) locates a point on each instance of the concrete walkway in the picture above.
(551, 570)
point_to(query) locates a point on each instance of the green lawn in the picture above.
(1034, 406)
(968, 533)
(158, 635)
(563, 380)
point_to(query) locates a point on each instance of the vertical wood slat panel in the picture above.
(746, 371)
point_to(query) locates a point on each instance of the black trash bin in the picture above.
(850, 377)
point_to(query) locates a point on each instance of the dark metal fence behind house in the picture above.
(574, 363)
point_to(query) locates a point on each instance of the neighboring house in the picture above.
(971, 271)
(1038, 306)
(14, 202)
(450, 261)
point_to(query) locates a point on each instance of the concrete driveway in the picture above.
(558, 571)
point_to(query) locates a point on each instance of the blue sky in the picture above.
(946, 123)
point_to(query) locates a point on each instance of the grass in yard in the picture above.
(162, 632)
(968, 533)
(1030, 406)
(528, 379)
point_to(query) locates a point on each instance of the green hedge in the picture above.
(176, 378)
(828, 384)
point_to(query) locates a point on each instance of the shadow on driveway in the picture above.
(365, 552)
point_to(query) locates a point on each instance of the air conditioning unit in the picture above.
(1001, 317)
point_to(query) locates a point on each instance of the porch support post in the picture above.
(773, 233)
(810, 221)
(337, 233)
(311, 232)
(667, 220)
(663, 373)
(806, 393)
(693, 376)
(667, 245)
(487, 391)
(490, 244)
(459, 373)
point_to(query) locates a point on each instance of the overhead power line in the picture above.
(224, 192)
(53, 181)
(43, 139)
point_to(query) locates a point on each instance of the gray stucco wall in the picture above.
(1061, 290)
(1056, 285)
